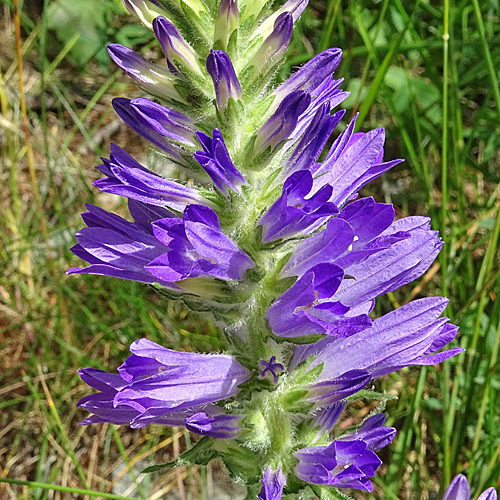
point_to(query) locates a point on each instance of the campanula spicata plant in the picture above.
(244, 224)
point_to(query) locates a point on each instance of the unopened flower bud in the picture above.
(283, 122)
(159, 131)
(218, 426)
(312, 74)
(293, 7)
(459, 489)
(164, 121)
(175, 48)
(226, 83)
(124, 176)
(150, 77)
(227, 21)
(273, 483)
(274, 46)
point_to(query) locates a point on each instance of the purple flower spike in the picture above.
(304, 309)
(149, 129)
(296, 210)
(272, 367)
(226, 83)
(175, 48)
(343, 464)
(150, 77)
(126, 177)
(197, 247)
(218, 426)
(311, 75)
(114, 247)
(459, 490)
(273, 483)
(216, 161)
(283, 122)
(274, 46)
(410, 335)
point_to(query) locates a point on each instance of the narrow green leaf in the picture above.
(365, 394)
(201, 453)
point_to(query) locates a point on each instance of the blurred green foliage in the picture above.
(96, 27)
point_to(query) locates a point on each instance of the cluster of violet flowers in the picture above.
(242, 223)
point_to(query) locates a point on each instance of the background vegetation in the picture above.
(426, 71)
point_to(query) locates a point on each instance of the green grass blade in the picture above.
(66, 489)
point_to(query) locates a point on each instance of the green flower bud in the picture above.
(227, 22)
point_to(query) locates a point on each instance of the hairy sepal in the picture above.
(371, 395)
(304, 376)
(293, 401)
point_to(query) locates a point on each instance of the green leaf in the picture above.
(397, 80)
(133, 34)
(93, 18)
(201, 453)
(242, 464)
(487, 223)
(353, 86)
